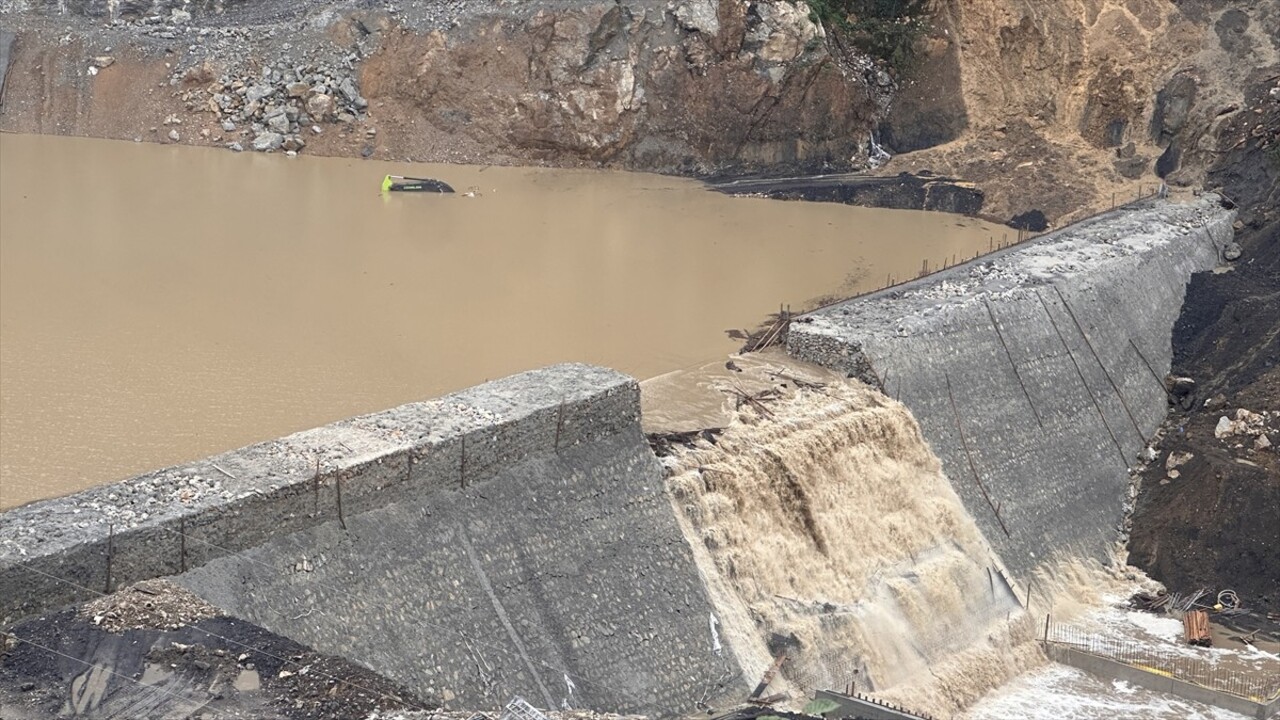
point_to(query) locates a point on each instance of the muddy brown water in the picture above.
(162, 303)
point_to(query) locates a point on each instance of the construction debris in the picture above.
(150, 604)
(1157, 603)
(663, 444)
(755, 400)
(757, 694)
(1195, 624)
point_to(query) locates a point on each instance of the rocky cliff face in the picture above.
(698, 86)
(693, 87)
(1057, 105)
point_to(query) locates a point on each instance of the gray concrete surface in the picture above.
(1028, 370)
(563, 579)
(1109, 669)
(60, 551)
(510, 539)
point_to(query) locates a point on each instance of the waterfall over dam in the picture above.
(1037, 374)
(827, 531)
(521, 538)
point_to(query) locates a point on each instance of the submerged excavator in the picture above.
(400, 183)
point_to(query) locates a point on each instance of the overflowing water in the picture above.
(825, 529)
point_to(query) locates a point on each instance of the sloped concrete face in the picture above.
(68, 549)
(1036, 374)
(509, 539)
(562, 579)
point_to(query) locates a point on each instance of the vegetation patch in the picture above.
(888, 30)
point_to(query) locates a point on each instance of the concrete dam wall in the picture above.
(510, 539)
(516, 538)
(1036, 374)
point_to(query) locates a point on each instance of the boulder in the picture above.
(320, 106)
(297, 89)
(781, 32)
(268, 141)
(1180, 385)
(349, 90)
(698, 16)
(278, 123)
(258, 93)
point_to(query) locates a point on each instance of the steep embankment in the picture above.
(1052, 108)
(1036, 375)
(510, 539)
(825, 530)
(1056, 106)
(1206, 513)
(692, 87)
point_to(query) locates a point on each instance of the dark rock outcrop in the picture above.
(902, 192)
(927, 111)
(703, 86)
(1173, 106)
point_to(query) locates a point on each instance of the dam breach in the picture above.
(513, 538)
(1037, 373)
(520, 538)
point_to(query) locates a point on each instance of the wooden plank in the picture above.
(1196, 626)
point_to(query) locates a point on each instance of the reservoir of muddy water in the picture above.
(163, 303)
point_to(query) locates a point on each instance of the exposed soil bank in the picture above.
(1213, 523)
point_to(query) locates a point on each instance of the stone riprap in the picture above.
(1036, 373)
(510, 539)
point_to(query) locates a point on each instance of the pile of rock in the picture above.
(1249, 425)
(281, 104)
(150, 604)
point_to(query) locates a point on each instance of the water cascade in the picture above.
(824, 528)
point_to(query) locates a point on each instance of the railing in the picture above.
(1256, 687)
(840, 675)
(1022, 236)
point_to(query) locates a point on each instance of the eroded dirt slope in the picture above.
(1214, 523)
(1065, 104)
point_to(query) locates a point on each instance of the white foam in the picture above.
(1058, 692)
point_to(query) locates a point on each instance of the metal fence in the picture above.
(831, 672)
(1255, 686)
(1144, 193)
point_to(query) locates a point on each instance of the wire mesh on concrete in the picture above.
(833, 673)
(519, 709)
(1259, 686)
